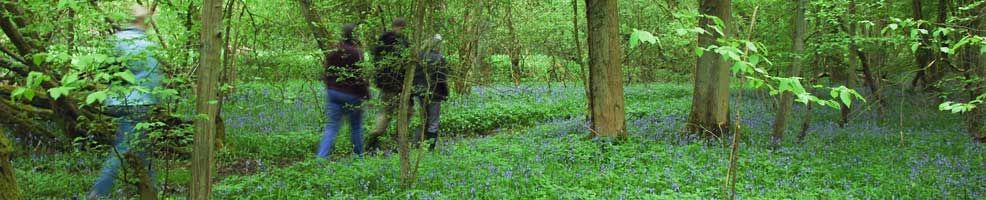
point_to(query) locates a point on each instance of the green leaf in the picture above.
(39, 58)
(639, 36)
(22, 92)
(34, 79)
(99, 96)
(751, 46)
(59, 91)
(754, 60)
(699, 51)
(915, 46)
(127, 76)
(738, 67)
(945, 106)
(961, 43)
(70, 78)
(846, 98)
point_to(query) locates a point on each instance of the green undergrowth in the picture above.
(531, 142)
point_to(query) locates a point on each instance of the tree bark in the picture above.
(404, 112)
(584, 76)
(514, 48)
(605, 68)
(975, 119)
(206, 103)
(315, 24)
(144, 182)
(787, 99)
(924, 56)
(8, 182)
(864, 62)
(710, 101)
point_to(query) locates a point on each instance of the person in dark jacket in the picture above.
(431, 84)
(345, 92)
(390, 57)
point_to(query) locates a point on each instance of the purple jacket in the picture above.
(341, 72)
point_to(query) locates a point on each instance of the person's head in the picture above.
(398, 25)
(434, 43)
(347, 33)
(140, 15)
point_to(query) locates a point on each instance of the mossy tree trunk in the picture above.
(8, 182)
(605, 68)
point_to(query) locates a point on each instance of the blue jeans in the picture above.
(338, 104)
(127, 118)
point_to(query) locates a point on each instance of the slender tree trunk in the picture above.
(605, 68)
(314, 23)
(805, 124)
(514, 48)
(8, 183)
(230, 42)
(787, 99)
(403, 116)
(710, 101)
(975, 118)
(584, 76)
(864, 62)
(144, 183)
(206, 103)
(924, 78)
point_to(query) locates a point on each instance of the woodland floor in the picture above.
(530, 141)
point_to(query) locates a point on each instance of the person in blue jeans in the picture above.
(346, 89)
(131, 104)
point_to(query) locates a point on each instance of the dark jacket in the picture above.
(342, 72)
(433, 75)
(390, 61)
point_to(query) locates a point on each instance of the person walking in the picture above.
(132, 104)
(431, 82)
(346, 90)
(390, 56)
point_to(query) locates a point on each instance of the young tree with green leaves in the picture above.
(787, 98)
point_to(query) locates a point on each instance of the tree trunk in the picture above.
(864, 62)
(314, 23)
(584, 76)
(8, 183)
(710, 101)
(787, 99)
(141, 170)
(514, 48)
(924, 54)
(974, 118)
(605, 68)
(404, 109)
(206, 103)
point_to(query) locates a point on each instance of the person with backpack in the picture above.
(390, 56)
(346, 90)
(431, 84)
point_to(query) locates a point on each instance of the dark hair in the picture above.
(347, 33)
(398, 22)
